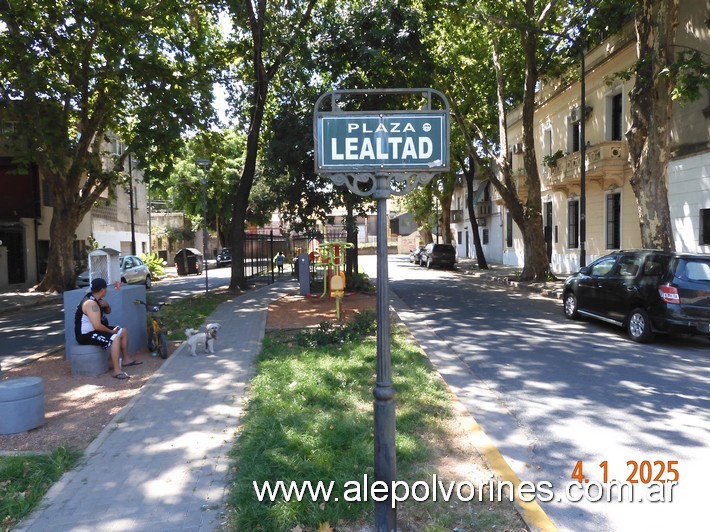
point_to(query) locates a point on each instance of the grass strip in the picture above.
(25, 479)
(190, 311)
(309, 418)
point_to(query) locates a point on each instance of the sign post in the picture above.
(379, 154)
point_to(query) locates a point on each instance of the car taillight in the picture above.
(669, 294)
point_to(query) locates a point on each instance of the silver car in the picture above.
(133, 271)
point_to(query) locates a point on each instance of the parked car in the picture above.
(133, 271)
(438, 255)
(414, 255)
(224, 257)
(646, 291)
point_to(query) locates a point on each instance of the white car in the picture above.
(133, 271)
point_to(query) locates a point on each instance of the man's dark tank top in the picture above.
(79, 313)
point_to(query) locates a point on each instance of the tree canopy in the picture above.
(75, 72)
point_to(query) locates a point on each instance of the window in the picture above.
(704, 227)
(603, 267)
(616, 116)
(548, 141)
(573, 223)
(47, 196)
(613, 220)
(485, 236)
(629, 265)
(575, 136)
(508, 229)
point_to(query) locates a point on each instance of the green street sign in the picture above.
(368, 142)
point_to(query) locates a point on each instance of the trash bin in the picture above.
(189, 261)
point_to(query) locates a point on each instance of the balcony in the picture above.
(456, 216)
(606, 162)
(483, 208)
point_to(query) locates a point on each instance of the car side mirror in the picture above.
(585, 270)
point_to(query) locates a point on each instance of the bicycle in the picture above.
(157, 337)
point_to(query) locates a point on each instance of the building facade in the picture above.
(26, 210)
(612, 220)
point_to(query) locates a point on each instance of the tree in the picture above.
(183, 189)
(468, 167)
(419, 204)
(73, 72)
(522, 40)
(266, 36)
(659, 71)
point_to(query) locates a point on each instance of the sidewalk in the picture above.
(162, 463)
(12, 301)
(508, 275)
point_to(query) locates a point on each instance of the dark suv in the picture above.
(645, 291)
(438, 255)
(224, 257)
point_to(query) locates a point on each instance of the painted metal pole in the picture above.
(330, 124)
(130, 205)
(204, 163)
(204, 231)
(583, 171)
(385, 457)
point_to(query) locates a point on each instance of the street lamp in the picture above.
(582, 169)
(130, 206)
(380, 181)
(204, 163)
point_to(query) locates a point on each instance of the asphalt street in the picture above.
(552, 393)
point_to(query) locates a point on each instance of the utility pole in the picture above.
(204, 163)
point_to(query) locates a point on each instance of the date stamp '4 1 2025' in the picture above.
(643, 472)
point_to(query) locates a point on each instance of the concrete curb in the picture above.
(531, 513)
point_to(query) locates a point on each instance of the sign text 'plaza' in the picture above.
(398, 141)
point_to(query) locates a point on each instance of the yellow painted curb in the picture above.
(531, 512)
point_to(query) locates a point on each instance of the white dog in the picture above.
(207, 338)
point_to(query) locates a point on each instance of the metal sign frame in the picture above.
(404, 176)
(381, 183)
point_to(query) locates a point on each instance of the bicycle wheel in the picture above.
(162, 345)
(152, 344)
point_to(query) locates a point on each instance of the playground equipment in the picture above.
(331, 258)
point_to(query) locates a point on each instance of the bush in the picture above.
(154, 263)
(359, 282)
(363, 325)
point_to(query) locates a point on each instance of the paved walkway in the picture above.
(162, 463)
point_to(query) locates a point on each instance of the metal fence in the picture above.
(259, 253)
(261, 248)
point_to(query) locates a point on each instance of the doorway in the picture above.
(13, 239)
(548, 229)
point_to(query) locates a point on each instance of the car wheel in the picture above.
(123, 280)
(428, 264)
(570, 306)
(638, 326)
(148, 282)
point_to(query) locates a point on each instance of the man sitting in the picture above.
(91, 328)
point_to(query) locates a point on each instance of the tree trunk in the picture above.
(61, 273)
(445, 221)
(651, 109)
(480, 257)
(351, 254)
(425, 236)
(238, 280)
(527, 214)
